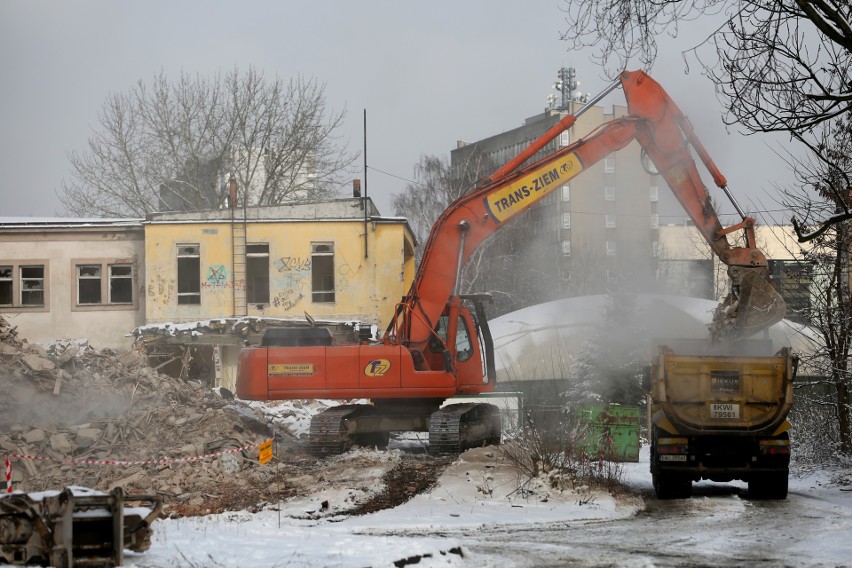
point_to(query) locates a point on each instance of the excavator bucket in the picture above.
(754, 305)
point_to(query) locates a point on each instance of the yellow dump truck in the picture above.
(718, 411)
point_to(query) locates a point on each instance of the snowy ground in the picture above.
(475, 517)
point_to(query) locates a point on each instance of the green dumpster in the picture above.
(609, 431)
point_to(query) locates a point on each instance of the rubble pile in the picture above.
(68, 403)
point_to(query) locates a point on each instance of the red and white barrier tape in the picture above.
(125, 462)
(8, 475)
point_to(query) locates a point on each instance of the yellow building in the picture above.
(245, 269)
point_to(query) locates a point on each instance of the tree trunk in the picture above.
(843, 414)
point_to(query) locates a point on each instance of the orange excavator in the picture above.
(438, 344)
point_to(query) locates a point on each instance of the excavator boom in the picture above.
(665, 135)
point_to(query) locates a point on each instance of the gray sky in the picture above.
(427, 73)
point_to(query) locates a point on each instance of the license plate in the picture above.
(669, 458)
(724, 411)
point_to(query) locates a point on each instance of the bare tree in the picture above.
(785, 65)
(174, 146)
(782, 65)
(436, 185)
(826, 191)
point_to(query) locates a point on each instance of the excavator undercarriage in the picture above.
(452, 429)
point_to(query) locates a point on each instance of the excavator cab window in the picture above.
(438, 341)
(463, 346)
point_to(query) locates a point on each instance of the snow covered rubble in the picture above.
(67, 405)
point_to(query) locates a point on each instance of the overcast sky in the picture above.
(427, 73)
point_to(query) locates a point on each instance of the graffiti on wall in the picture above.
(217, 276)
(288, 298)
(162, 291)
(292, 275)
(292, 264)
(343, 273)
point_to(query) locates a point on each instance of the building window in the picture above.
(566, 220)
(32, 285)
(189, 274)
(322, 272)
(609, 220)
(88, 284)
(609, 165)
(120, 284)
(655, 248)
(101, 283)
(257, 273)
(655, 193)
(6, 286)
(610, 248)
(566, 248)
(609, 193)
(23, 284)
(566, 192)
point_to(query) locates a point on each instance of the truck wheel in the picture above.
(768, 485)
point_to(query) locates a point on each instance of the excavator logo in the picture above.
(377, 368)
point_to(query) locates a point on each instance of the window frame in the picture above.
(195, 293)
(17, 304)
(106, 278)
(324, 295)
(250, 288)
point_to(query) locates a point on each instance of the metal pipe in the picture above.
(464, 227)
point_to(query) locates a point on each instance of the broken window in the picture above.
(257, 273)
(32, 285)
(189, 274)
(322, 272)
(89, 284)
(6, 286)
(120, 284)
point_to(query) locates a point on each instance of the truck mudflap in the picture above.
(75, 527)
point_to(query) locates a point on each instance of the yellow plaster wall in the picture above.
(366, 289)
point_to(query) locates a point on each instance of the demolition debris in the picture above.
(75, 416)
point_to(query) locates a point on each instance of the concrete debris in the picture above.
(67, 402)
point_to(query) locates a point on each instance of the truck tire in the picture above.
(772, 485)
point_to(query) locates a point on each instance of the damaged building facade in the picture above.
(190, 289)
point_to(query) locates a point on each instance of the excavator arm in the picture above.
(665, 136)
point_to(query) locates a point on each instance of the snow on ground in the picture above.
(478, 490)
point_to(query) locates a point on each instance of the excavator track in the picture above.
(458, 427)
(328, 434)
